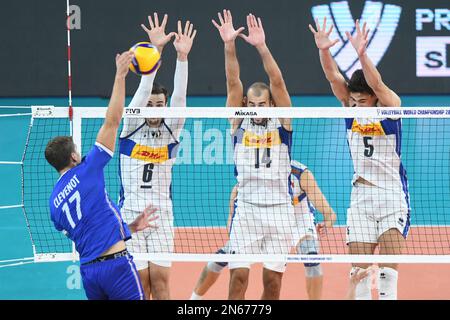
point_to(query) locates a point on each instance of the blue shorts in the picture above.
(115, 279)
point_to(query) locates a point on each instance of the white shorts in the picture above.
(160, 240)
(305, 227)
(262, 230)
(373, 211)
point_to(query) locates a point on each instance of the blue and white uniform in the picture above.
(263, 222)
(147, 156)
(304, 215)
(303, 208)
(82, 209)
(375, 147)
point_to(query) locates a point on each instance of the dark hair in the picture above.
(358, 83)
(258, 88)
(59, 152)
(158, 89)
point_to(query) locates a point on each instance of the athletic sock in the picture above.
(195, 296)
(387, 284)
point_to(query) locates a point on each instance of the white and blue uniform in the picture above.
(304, 215)
(82, 209)
(375, 147)
(303, 208)
(263, 221)
(147, 156)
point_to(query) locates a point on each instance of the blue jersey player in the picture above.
(80, 206)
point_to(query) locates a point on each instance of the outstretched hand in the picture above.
(256, 36)
(184, 39)
(142, 222)
(322, 36)
(359, 42)
(226, 29)
(157, 32)
(123, 63)
(358, 275)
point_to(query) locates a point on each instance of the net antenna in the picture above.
(76, 137)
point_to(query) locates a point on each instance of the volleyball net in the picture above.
(190, 172)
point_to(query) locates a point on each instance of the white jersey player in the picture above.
(305, 193)
(148, 149)
(264, 215)
(379, 213)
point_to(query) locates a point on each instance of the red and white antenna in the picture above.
(69, 68)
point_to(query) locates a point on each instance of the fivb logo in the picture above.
(382, 20)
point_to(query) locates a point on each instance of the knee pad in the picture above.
(310, 246)
(216, 267)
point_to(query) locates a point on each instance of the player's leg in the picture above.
(362, 234)
(272, 284)
(313, 271)
(207, 279)
(279, 222)
(209, 275)
(159, 281)
(144, 276)
(363, 288)
(393, 229)
(238, 282)
(245, 238)
(161, 240)
(391, 242)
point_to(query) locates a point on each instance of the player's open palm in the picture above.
(360, 40)
(143, 221)
(123, 63)
(184, 38)
(322, 36)
(256, 36)
(157, 32)
(225, 27)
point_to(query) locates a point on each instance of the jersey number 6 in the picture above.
(147, 175)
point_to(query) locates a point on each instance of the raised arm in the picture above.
(157, 36)
(108, 132)
(183, 44)
(256, 37)
(235, 90)
(329, 66)
(231, 204)
(309, 185)
(385, 96)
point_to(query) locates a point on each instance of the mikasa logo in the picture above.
(245, 113)
(382, 20)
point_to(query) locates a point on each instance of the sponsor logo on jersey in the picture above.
(150, 154)
(266, 140)
(372, 129)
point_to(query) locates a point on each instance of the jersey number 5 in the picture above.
(368, 151)
(75, 197)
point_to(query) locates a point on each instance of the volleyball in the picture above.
(147, 58)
